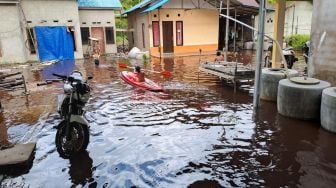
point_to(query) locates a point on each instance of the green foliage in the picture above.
(129, 3)
(121, 23)
(145, 58)
(297, 41)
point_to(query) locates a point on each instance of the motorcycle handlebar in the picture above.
(60, 76)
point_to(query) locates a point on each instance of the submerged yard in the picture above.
(197, 133)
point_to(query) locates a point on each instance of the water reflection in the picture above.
(65, 67)
(80, 169)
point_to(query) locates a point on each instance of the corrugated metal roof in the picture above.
(251, 3)
(155, 6)
(99, 4)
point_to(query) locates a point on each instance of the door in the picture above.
(168, 37)
(98, 33)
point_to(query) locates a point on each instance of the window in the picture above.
(143, 35)
(85, 33)
(156, 33)
(179, 33)
(72, 32)
(109, 32)
(31, 40)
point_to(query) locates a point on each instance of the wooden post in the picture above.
(235, 31)
(227, 29)
(279, 23)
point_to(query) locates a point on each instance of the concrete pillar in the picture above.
(279, 23)
(322, 62)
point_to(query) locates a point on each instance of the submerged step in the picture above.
(20, 154)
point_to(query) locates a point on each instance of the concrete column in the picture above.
(323, 42)
(279, 23)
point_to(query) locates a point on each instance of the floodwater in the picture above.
(198, 133)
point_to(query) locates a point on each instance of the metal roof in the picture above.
(99, 4)
(155, 6)
(243, 6)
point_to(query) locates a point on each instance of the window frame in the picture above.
(177, 41)
(109, 40)
(72, 31)
(158, 27)
(31, 42)
(82, 37)
(143, 35)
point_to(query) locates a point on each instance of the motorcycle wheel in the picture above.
(78, 141)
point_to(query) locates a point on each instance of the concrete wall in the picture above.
(44, 13)
(90, 18)
(12, 47)
(323, 46)
(135, 21)
(302, 14)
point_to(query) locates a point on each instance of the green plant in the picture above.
(297, 41)
(145, 58)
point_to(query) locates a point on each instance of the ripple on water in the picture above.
(197, 134)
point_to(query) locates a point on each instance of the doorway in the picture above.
(98, 33)
(168, 37)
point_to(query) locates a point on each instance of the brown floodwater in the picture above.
(198, 133)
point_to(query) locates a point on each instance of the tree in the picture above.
(129, 3)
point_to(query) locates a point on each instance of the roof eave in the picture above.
(99, 8)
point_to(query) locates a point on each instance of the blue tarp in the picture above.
(54, 43)
(99, 4)
(155, 6)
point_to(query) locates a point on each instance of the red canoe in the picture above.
(131, 78)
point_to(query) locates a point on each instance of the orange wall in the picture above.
(180, 50)
(200, 28)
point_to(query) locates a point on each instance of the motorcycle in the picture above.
(73, 132)
(289, 54)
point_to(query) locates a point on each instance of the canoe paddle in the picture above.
(163, 73)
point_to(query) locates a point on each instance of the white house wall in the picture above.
(137, 20)
(38, 10)
(301, 23)
(89, 18)
(12, 48)
(302, 19)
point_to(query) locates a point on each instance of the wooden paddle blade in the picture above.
(122, 65)
(166, 73)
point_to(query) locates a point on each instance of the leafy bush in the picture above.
(297, 41)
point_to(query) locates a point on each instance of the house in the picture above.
(97, 19)
(182, 27)
(45, 29)
(298, 18)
